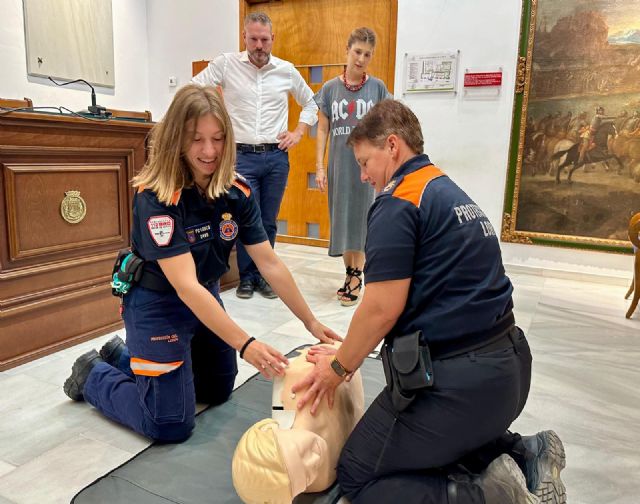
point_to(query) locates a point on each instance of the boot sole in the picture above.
(550, 488)
(71, 387)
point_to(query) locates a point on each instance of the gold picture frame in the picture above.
(573, 60)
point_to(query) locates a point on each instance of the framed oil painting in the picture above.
(574, 160)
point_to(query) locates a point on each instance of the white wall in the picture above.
(469, 139)
(131, 90)
(182, 32)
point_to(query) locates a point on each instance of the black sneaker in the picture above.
(503, 482)
(112, 350)
(544, 460)
(74, 385)
(265, 289)
(245, 289)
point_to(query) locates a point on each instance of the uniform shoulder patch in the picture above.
(243, 184)
(161, 229)
(412, 186)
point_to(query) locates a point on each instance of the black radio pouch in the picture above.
(407, 368)
(127, 271)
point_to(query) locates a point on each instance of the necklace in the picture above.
(353, 87)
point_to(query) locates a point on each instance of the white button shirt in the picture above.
(257, 98)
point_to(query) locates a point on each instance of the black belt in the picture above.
(265, 147)
(498, 337)
(159, 284)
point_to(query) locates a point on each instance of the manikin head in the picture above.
(295, 452)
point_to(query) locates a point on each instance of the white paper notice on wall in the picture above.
(436, 72)
(482, 82)
(70, 39)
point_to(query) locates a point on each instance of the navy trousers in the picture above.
(161, 329)
(407, 457)
(267, 174)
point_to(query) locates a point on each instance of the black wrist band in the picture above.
(246, 344)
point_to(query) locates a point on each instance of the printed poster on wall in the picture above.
(431, 72)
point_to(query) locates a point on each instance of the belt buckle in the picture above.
(260, 148)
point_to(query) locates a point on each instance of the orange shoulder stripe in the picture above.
(243, 187)
(174, 199)
(413, 185)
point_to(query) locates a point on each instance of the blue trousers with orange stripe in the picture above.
(172, 361)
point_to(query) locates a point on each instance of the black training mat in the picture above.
(198, 471)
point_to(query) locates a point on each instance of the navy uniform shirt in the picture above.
(422, 226)
(192, 223)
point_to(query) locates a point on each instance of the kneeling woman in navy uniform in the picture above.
(458, 369)
(189, 209)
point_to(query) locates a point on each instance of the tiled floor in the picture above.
(585, 386)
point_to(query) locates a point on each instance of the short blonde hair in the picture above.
(167, 169)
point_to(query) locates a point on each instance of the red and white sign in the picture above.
(161, 229)
(482, 79)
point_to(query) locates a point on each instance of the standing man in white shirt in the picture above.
(256, 88)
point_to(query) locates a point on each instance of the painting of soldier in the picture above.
(576, 178)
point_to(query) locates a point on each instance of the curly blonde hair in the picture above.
(167, 169)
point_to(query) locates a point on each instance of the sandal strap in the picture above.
(348, 289)
(350, 273)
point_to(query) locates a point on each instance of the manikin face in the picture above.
(206, 149)
(377, 164)
(358, 57)
(259, 39)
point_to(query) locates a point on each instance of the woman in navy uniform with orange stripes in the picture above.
(458, 369)
(189, 209)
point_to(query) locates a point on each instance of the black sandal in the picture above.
(352, 298)
(340, 292)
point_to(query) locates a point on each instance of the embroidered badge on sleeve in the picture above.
(160, 229)
(228, 227)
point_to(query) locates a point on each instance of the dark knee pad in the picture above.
(214, 394)
(346, 477)
(169, 432)
(464, 492)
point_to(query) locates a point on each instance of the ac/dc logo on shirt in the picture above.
(228, 227)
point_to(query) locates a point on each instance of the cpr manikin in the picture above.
(294, 452)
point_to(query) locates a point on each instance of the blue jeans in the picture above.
(267, 174)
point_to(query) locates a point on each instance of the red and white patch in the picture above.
(160, 229)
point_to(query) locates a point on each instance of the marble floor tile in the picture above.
(57, 475)
(6, 468)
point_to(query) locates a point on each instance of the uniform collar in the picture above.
(415, 163)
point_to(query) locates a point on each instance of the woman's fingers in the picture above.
(317, 401)
(266, 359)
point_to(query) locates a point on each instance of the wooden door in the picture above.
(313, 34)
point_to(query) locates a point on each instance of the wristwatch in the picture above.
(338, 368)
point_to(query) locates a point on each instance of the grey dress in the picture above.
(349, 198)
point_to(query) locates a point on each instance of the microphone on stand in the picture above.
(95, 110)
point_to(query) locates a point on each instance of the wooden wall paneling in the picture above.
(312, 33)
(54, 276)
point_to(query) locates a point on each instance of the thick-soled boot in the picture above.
(502, 482)
(112, 350)
(74, 385)
(544, 459)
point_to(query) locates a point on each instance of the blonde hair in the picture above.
(167, 169)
